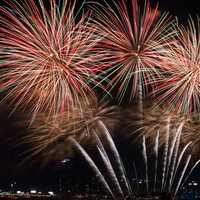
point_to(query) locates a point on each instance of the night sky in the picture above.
(11, 156)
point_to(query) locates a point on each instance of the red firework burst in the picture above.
(46, 63)
(134, 42)
(180, 89)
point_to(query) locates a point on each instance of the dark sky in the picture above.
(179, 7)
(9, 154)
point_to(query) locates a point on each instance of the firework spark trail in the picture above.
(166, 151)
(179, 90)
(111, 172)
(156, 159)
(172, 149)
(144, 153)
(47, 60)
(177, 165)
(93, 166)
(141, 101)
(117, 160)
(133, 45)
(174, 160)
(117, 157)
(108, 165)
(182, 174)
(175, 131)
(186, 178)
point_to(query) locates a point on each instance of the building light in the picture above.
(51, 193)
(33, 191)
(195, 184)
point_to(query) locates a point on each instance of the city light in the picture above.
(51, 193)
(33, 191)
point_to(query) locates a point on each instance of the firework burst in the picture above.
(156, 119)
(46, 64)
(133, 44)
(48, 137)
(179, 90)
(169, 174)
